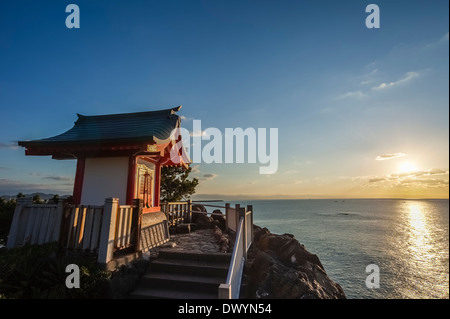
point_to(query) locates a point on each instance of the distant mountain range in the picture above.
(43, 196)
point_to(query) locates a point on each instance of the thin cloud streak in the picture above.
(12, 187)
(208, 177)
(385, 157)
(408, 77)
(353, 94)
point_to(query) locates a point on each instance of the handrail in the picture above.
(205, 213)
(238, 219)
(176, 203)
(231, 288)
(244, 235)
(217, 206)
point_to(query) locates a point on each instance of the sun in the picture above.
(407, 167)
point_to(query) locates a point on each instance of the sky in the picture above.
(360, 112)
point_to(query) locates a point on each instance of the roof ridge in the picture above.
(82, 117)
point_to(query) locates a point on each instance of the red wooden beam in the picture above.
(131, 180)
(78, 184)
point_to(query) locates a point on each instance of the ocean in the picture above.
(407, 240)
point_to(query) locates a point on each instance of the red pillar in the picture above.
(157, 184)
(131, 182)
(78, 184)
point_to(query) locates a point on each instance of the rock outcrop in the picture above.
(279, 267)
(216, 221)
(203, 221)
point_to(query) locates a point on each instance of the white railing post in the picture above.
(189, 210)
(225, 291)
(236, 215)
(227, 215)
(106, 247)
(242, 214)
(250, 209)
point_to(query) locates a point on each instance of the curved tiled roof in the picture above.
(126, 127)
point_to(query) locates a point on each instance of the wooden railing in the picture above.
(34, 223)
(81, 228)
(177, 212)
(104, 230)
(126, 217)
(111, 228)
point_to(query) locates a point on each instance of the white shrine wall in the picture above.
(104, 177)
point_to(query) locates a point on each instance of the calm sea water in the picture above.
(407, 239)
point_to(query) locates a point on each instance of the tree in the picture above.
(37, 199)
(20, 195)
(55, 199)
(175, 184)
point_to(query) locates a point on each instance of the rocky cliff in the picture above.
(279, 267)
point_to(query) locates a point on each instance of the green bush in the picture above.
(38, 271)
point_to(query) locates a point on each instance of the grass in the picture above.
(39, 272)
(6, 215)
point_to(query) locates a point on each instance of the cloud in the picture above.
(431, 178)
(60, 178)
(12, 187)
(437, 171)
(208, 177)
(384, 157)
(443, 40)
(408, 77)
(11, 145)
(424, 183)
(52, 177)
(368, 78)
(186, 119)
(351, 95)
(195, 169)
(418, 173)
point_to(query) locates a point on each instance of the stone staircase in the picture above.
(183, 275)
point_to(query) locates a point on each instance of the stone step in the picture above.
(182, 281)
(194, 255)
(165, 293)
(184, 275)
(192, 267)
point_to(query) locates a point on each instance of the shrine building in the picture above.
(118, 155)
